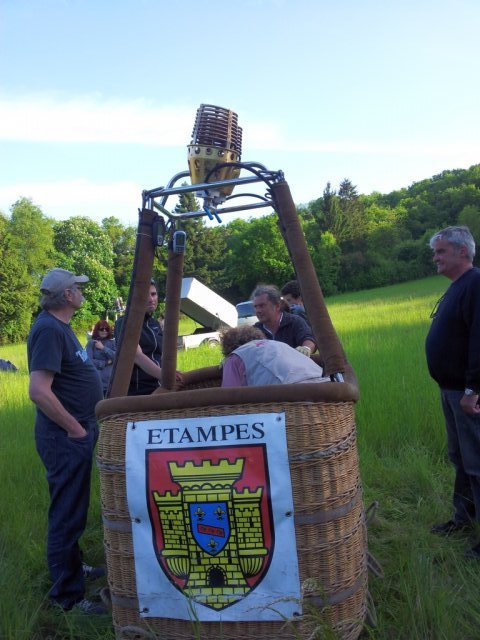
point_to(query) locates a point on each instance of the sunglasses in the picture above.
(102, 329)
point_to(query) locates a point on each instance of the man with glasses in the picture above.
(453, 357)
(65, 387)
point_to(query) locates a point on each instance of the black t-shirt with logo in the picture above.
(53, 346)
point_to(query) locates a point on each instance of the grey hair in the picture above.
(53, 300)
(458, 236)
(271, 291)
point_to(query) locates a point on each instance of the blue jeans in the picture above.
(68, 462)
(463, 440)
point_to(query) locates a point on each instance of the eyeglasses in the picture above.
(434, 312)
(102, 329)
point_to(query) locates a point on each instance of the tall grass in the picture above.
(429, 591)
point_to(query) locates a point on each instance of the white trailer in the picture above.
(208, 309)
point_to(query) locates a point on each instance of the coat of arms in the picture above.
(211, 517)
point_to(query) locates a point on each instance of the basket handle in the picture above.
(127, 342)
(331, 350)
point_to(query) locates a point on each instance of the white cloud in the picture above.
(86, 119)
(411, 148)
(89, 119)
(62, 200)
(94, 119)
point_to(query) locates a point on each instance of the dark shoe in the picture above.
(90, 608)
(473, 553)
(447, 528)
(92, 573)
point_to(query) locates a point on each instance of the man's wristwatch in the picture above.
(470, 392)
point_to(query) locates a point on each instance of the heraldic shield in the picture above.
(211, 516)
(210, 525)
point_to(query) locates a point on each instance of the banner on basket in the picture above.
(211, 505)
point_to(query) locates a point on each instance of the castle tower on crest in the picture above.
(213, 534)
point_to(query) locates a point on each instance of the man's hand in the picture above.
(470, 404)
(310, 344)
(305, 350)
(78, 433)
(179, 381)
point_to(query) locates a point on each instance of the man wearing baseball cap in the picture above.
(65, 387)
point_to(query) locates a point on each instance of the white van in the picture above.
(246, 313)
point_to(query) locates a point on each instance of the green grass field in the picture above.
(428, 591)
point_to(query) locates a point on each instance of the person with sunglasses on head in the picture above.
(65, 387)
(101, 351)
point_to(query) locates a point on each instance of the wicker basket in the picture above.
(329, 514)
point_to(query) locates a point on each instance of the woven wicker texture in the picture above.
(329, 526)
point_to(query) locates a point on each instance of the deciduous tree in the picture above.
(123, 241)
(31, 236)
(84, 247)
(18, 298)
(256, 254)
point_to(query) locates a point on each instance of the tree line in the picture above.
(356, 242)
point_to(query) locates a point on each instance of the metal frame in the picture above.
(156, 199)
(278, 197)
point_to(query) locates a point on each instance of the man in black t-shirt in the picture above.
(453, 358)
(65, 387)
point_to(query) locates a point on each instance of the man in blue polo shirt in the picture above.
(280, 325)
(65, 387)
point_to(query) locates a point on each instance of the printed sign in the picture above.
(212, 518)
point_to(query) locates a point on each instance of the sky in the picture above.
(98, 97)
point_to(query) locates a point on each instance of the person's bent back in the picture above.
(253, 360)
